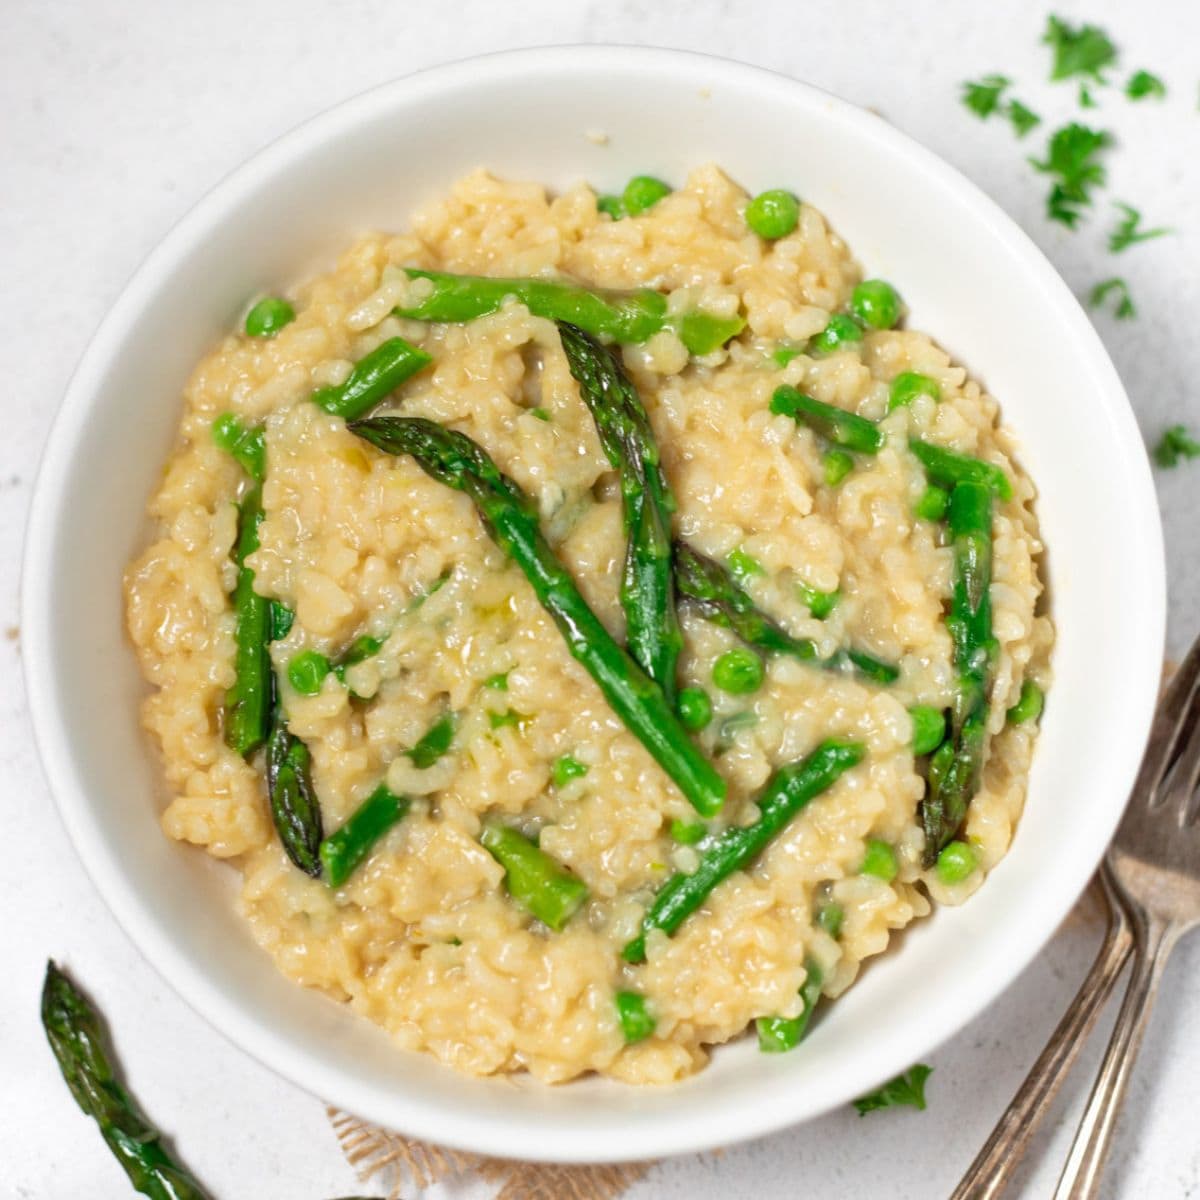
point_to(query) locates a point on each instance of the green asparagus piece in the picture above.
(636, 1020)
(712, 588)
(777, 1034)
(282, 619)
(708, 585)
(247, 446)
(956, 765)
(623, 316)
(248, 701)
(946, 468)
(842, 428)
(647, 589)
(534, 880)
(1029, 704)
(789, 790)
(434, 742)
(344, 851)
(293, 801)
(374, 376)
(511, 520)
(73, 1029)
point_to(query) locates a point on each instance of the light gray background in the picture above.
(115, 118)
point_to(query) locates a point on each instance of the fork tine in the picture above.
(1168, 727)
(1186, 774)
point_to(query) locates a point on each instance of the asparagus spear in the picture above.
(434, 742)
(73, 1029)
(714, 591)
(248, 701)
(373, 377)
(946, 468)
(647, 589)
(509, 517)
(343, 851)
(777, 1034)
(247, 446)
(789, 790)
(623, 316)
(293, 801)
(956, 765)
(843, 428)
(534, 880)
(707, 584)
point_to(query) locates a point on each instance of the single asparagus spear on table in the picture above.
(623, 316)
(647, 588)
(509, 517)
(73, 1029)
(790, 789)
(957, 764)
(535, 880)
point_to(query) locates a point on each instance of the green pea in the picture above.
(1029, 705)
(820, 604)
(956, 863)
(838, 464)
(307, 671)
(773, 214)
(694, 708)
(879, 861)
(928, 728)
(744, 566)
(567, 768)
(782, 355)
(932, 504)
(269, 316)
(643, 192)
(908, 385)
(637, 1024)
(830, 917)
(688, 833)
(837, 335)
(738, 671)
(613, 205)
(498, 682)
(876, 304)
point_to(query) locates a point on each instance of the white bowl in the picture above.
(970, 277)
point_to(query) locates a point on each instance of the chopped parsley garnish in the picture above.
(1126, 232)
(1120, 289)
(1142, 84)
(1174, 446)
(1072, 159)
(1023, 119)
(907, 1088)
(1083, 51)
(983, 96)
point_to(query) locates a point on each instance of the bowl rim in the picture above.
(252, 1034)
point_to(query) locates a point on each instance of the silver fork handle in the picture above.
(993, 1167)
(1081, 1176)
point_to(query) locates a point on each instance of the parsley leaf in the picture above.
(1175, 445)
(983, 96)
(1086, 99)
(1023, 119)
(1126, 232)
(907, 1088)
(1100, 292)
(1084, 50)
(1071, 157)
(1142, 84)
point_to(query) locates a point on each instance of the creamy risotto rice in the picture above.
(423, 937)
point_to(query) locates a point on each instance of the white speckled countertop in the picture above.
(117, 116)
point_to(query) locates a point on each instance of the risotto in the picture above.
(481, 821)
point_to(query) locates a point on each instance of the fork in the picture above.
(1154, 861)
(1167, 766)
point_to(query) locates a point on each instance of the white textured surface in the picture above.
(117, 118)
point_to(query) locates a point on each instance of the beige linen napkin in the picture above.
(397, 1160)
